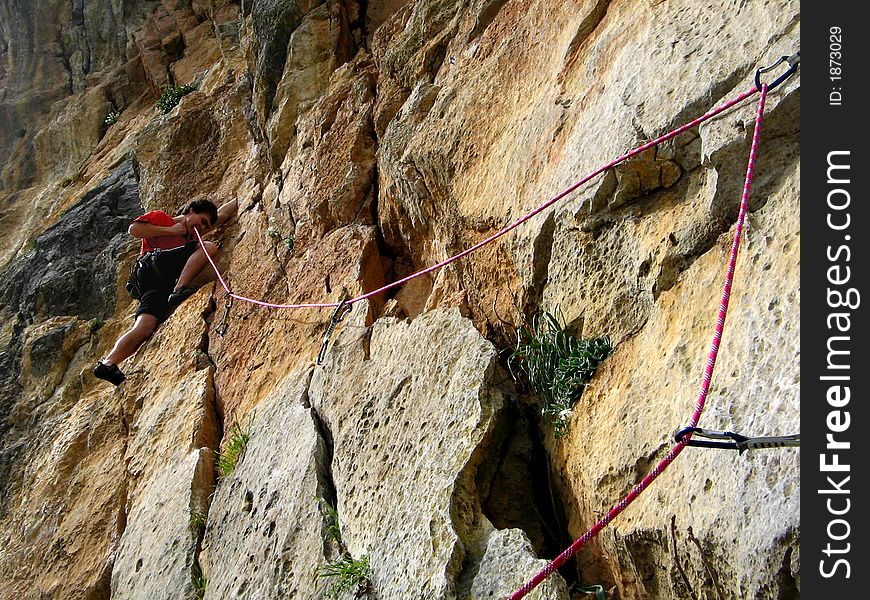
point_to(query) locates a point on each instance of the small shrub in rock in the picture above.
(112, 117)
(199, 583)
(172, 95)
(228, 458)
(96, 324)
(289, 241)
(198, 520)
(349, 575)
(556, 365)
(333, 529)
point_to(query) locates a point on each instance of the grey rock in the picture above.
(72, 268)
(272, 22)
(170, 476)
(408, 408)
(265, 536)
(508, 563)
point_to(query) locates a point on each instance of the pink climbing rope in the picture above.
(705, 384)
(706, 116)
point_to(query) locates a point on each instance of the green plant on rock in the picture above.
(112, 117)
(229, 456)
(96, 324)
(333, 529)
(348, 575)
(556, 365)
(172, 95)
(199, 583)
(289, 240)
(198, 520)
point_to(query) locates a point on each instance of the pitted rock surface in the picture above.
(363, 141)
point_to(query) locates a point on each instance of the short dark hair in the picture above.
(203, 206)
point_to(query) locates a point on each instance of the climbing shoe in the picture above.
(180, 295)
(110, 373)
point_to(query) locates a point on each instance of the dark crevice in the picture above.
(788, 588)
(325, 434)
(515, 487)
(388, 256)
(64, 59)
(329, 447)
(209, 436)
(208, 317)
(362, 26)
(326, 482)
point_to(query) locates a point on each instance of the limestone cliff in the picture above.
(363, 141)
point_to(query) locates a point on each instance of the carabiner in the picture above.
(337, 316)
(794, 62)
(224, 324)
(732, 444)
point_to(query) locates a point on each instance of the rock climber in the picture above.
(169, 259)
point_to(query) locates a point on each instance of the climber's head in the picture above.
(201, 214)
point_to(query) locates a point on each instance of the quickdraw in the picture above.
(735, 441)
(224, 325)
(338, 315)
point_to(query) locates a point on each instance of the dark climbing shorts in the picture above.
(156, 273)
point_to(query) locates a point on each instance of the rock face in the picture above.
(364, 141)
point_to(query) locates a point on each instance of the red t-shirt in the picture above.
(164, 242)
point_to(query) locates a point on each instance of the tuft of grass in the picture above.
(229, 456)
(556, 365)
(290, 240)
(96, 324)
(349, 575)
(198, 520)
(172, 95)
(333, 530)
(199, 583)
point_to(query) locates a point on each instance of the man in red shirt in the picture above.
(170, 258)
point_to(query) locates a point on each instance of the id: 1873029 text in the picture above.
(835, 65)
